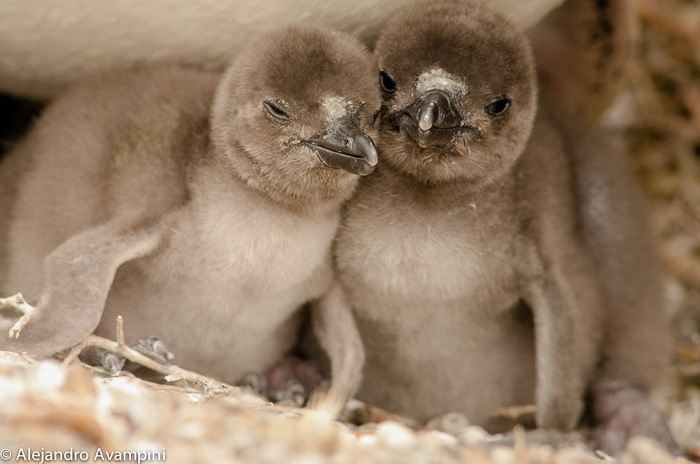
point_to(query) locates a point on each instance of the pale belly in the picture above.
(438, 310)
(218, 328)
(453, 362)
(226, 303)
(430, 352)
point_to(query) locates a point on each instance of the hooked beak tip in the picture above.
(368, 149)
(427, 115)
(346, 147)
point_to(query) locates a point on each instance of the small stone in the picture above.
(395, 434)
(437, 439)
(366, 440)
(453, 423)
(474, 436)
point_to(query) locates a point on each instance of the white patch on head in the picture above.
(336, 107)
(438, 79)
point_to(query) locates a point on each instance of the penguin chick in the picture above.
(202, 208)
(460, 254)
(616, 227)
(597, 39)
(583, 50)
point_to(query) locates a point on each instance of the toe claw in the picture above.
(153, 348)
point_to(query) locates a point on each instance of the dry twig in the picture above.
(18, 303)
(171, 371)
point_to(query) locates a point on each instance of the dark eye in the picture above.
(498, 107)
(387, 82)
(277, 110)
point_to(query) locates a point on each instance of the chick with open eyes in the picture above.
(200, 207)
(482, 259)
(460, 255)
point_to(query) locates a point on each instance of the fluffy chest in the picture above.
(250, 244)
(408, 253)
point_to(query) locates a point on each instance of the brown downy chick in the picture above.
(200, 207)
(616, 225)
(583, 51)
(460, 256)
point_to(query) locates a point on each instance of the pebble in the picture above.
(453, 423)
(395, 434)
(474, 436)
(437, 439)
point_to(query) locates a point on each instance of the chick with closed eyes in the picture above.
(460, 255)
(201, 207)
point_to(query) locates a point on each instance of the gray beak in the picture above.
(427, 115)
(430, 120)
(435, 110)
(345, 146)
